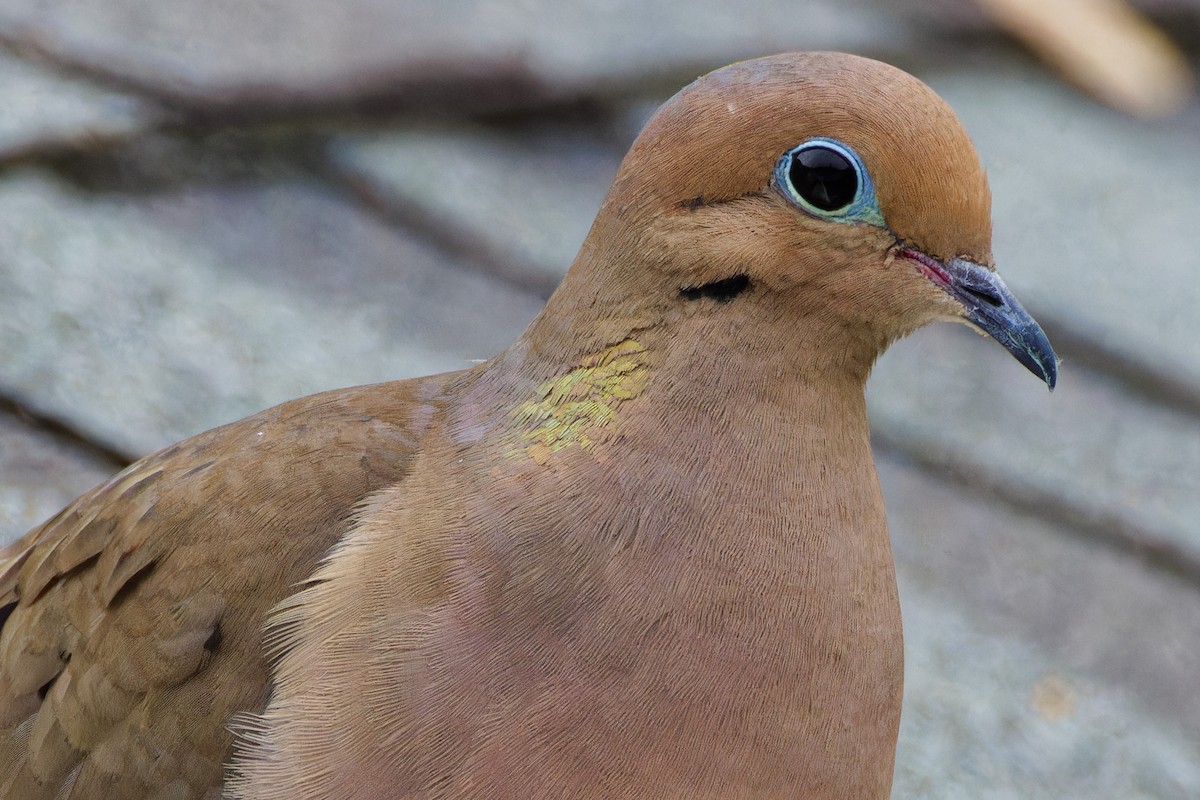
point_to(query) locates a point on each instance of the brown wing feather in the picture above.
(134, 616)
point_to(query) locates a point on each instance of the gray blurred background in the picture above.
(211, 206)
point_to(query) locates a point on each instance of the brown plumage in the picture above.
(640, 553)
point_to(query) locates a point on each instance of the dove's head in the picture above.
(839, 195)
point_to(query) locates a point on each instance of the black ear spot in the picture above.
(722, 290)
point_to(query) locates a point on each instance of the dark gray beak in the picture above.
(992, 308)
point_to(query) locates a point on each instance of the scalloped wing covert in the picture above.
(132, 620)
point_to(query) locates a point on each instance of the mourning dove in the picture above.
(641, 553)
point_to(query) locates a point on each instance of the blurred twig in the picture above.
(1104, 46)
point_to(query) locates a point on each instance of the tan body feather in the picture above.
(139, 626)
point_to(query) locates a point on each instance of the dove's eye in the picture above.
(827, 179)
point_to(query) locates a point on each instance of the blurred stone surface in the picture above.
(143, 319)
(948, 394)
(523, 198)
(39, 474)
(1125, 633)
(224, 49)
(40, 110)
(989, 717)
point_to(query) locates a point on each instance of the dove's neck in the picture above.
(748, 533)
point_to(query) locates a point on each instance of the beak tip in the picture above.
(1035, 352)
(1047, 369)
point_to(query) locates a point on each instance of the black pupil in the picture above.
(823, 177)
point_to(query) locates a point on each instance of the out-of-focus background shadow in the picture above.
(211, 206)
